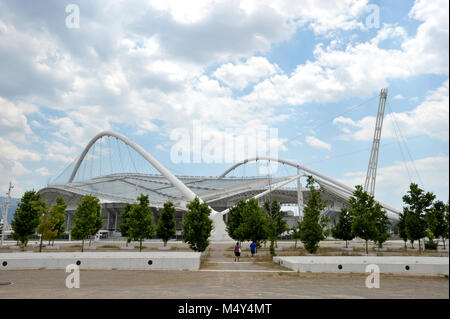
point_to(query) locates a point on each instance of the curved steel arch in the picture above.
(343, 187)
(290, 163)
(189, 194)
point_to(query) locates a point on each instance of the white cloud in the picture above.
(18, 169)
(161, 148)
(363, 68)
(80, 125)
(429, 118)
(13, 120)
(398, 97)
(43, 171)
(320, 16)
(151, 64)
(10, 152)
(393, 182)
(240, 75)
(315, 142)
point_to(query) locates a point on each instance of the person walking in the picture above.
(253, 248)
(237, 251)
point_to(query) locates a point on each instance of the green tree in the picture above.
(52, 221)
(436, 220)
(27, 216)
(312, 227)
(255, 224)
(276, 223)
(140, 221)
(197, 225)
(402, 227)
(88, 219)
(343, 229)
(166, 223)
(382, 223)
(364, 214)
(418, 203)
(57, 219)
(124, 225)
(235, 219)
(44, 225)
(296, 233)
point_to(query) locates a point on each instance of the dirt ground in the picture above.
(204, 284)
(221, 277)
(286, 248)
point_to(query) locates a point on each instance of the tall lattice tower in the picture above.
(369, 185)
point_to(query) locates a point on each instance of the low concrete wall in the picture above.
(356, 264)
(102, 260)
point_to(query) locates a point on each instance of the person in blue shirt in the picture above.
(253, 248)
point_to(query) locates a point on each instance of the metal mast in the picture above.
(5, 212)
(369, 185)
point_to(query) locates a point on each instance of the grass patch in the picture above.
(110, 246)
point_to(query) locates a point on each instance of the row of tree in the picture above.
(137, 223)
(34, 216)
(423, 216)
(247, 221)
(366, 219)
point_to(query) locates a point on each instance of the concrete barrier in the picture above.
(102, 260)
(356, 264)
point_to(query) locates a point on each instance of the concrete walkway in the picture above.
(222, 259)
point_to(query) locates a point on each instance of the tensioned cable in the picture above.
(336, 115)
(400, 147)
(408, 152)
(354, 152)
(110, 155)
(91, 160)
(55, 180)
(285, 169)
(120, 155)
(84, 171)
(101, 155)
(406, 145)
(131, 159)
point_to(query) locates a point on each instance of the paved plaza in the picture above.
(219, 277)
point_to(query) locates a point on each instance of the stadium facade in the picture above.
(219, 192)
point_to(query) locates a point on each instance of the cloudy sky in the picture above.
(312, 70)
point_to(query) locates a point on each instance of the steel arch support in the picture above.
(189, 194)
(334, 183)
